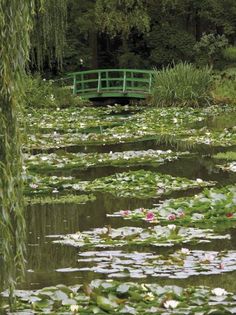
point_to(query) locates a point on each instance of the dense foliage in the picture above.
(165, 31)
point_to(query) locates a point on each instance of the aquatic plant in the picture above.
(228, 156)
(60, 199)
(107, 297)
(231, 167)
(143, 184)
(127, 235)
(177, 124)
(65, 160)
(214, 205)
(180, 264)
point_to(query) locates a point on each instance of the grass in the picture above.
(225, 90)
(182, 85)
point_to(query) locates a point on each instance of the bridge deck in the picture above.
(129, 83)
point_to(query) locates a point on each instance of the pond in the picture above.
(142, 196)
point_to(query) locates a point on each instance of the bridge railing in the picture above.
(112, 82)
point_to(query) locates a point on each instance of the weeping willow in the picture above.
(121, 16)
(48, 36)
(16, 24)
(14, 42)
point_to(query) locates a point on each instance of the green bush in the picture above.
(210, 48)
(230, 53)
(181, 85)
(225, 87)
(42, 93)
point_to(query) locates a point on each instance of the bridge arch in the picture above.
(130, 83)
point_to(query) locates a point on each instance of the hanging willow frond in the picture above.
(48, 35)
(15, 24)
(121, 16)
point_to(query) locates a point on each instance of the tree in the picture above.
(16, 21)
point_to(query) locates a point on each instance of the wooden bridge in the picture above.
(130, 83)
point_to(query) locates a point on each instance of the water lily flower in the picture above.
(171, 217)
(171, 227)
(221, 266)
(219, 292)
(149, 296)
(171, 304)
(150, 216)
(55, 191)
(180, 214)
(74, 308)
(44, 158)
(125, 213)
(199, 180)
(185, 251)
(34, 186)
(208, 258)
(229, 215)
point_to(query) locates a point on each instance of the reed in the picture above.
(182, 85)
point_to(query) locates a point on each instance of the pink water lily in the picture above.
(181, 214)
(34, 186)
(125, 213)
(171, 217)
(150, 216)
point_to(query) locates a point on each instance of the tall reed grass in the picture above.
(181, 85)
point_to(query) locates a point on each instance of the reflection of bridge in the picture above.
(112, 83)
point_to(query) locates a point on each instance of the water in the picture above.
(44, 258)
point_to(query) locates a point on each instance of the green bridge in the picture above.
(130, 83)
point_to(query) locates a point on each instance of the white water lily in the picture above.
(149, 296)
(44, 158)
(219, 292)
(171, 227)
(185, 251)
(74, 308)
(207, 258)
(171, 304)
(199, 180)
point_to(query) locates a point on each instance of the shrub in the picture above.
(225, 87)
(41, 93)
(210, 48)
(181, 85)
(230, 53)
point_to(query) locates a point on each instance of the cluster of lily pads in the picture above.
(181, 264)
(230, 167)
(144, 184)
(80, 119)
(112, 297)
(61, 199)
(125, 236)
(66, 160)
(153, 123)
(227, 156)
(138, 184)
(214, 205)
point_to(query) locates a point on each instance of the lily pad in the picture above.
(156, 236)
(104, 297)
(214, 205)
